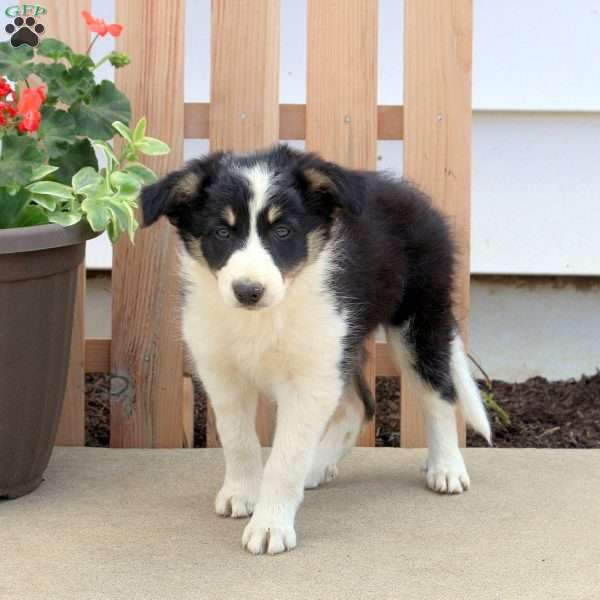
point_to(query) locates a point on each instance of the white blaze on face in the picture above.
(252, 262)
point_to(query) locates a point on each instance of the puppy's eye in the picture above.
(222, 232)
(282, 231)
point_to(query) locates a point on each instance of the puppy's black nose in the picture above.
(248, 292)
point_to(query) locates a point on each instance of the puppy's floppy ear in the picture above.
(330, 185)
(173, 195)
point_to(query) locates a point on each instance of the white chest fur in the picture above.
(299, 337)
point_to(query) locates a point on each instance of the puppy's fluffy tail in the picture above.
(467, 392)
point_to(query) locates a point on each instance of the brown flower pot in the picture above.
(38, 275)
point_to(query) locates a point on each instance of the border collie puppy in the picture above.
(290, 262)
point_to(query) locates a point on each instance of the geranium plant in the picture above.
(54, 119)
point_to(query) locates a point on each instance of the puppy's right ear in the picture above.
(174, 194)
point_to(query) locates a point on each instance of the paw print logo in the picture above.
(24, 31)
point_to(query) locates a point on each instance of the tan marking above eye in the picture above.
(229, 216)
(274, 212)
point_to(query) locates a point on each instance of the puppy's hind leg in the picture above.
(339, 437)
(423, 353)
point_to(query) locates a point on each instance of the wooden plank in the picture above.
(212, 437)
(187, 412)
(244, 111)
(188, 363)
(97, 358)
(71, 427)
(384, 364)
(292, 121)
(97, 355)
(244, 100)
(437, 138)
(63, 21)
(196, 120)
(390, 122)
(341, 101)
(146, 354)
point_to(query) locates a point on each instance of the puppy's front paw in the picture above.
(447, 474)
(235, 501)
(267, 534)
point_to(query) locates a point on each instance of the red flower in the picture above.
(31, 121)
(31, 99)
(9, 109)
(100, 26)
(5, 88)
(28, 107)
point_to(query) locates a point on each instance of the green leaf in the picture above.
(19, 157)
(140, 130)
(65, 218)
(109, 154)
(11, 205)
(123, 130)
(143, 173)
(67, 85)
(47, 202)
(126, 184)
(110, 212)
(86, 180)
(96, 212)
(152, 147)
(57, 130)
(15, 62)
(32, 215)
(51, 188)
(107, 105)
(78, 155)
(42, 171)
(54, 49)
(81, 60)
(49, 73)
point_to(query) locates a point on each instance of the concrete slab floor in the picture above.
(139, 524)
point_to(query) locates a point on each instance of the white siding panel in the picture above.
(536, 55)
(536, 194)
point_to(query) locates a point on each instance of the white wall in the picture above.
(525, 327)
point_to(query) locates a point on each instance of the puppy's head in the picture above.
(256, 221)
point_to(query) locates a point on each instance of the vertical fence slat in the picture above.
(244, 105)
(187, 412)
(146, 354)
(64, 22)
(437, 139)
(341, 103)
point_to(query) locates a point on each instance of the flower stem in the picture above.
(101, 61)
(92, 44)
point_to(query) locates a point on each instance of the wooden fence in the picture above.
(152, 392)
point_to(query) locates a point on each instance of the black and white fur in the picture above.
(290, 262)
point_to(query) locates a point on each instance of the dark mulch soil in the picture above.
(543, 414)
(97, 409)
(558, 414)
